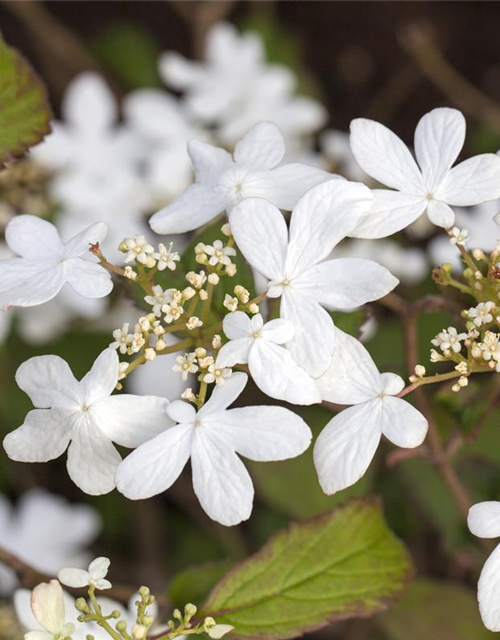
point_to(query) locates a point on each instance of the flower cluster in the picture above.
(49, 613)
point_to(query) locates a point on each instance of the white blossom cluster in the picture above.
(291, 223)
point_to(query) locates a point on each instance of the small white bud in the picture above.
(253, 308)
(419, 371)
(226, 229)
(150, 354)
(129, 273)
(213, 278)
(160, 345)
(216, 342)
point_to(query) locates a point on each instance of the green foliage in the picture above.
(194, 583)
(437, 611)
(130, 52)
(24, 109)
(343, 564)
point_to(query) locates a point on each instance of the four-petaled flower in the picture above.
(45, 264)
(432, 185)
(84, 416)
(293, 262)
(346, 446)
(95, 577)
(223, 180)
(212, 438)
(271, 366)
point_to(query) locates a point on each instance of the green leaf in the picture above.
(435, 610)
(343, 564)
(193, 584)
(24, 109)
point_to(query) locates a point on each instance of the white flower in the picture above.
(89, 142)
(230, 302)
(166, 257)
(223, 180)
(45, 264)
(22, 598)
(484, 522)
(271, 366)
(346, 446)
(46, 532)
(212, 437)
(217, 374)
(158, 299)
(122, 338)
(47, 604)
(95, 577)
(219, 254)
(291, 261)
(449, 339)
(458, 236)
(84, 416)
(194, 323)
(138, 248)
(482, 313)
(235, 87)
(430, 186)
(185, 365)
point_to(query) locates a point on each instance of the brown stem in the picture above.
(418, 42)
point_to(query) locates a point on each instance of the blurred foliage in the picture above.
(130, 52)
(434, 610)
(194, 583)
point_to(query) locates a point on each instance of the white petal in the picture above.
(178, 72)
(131, 420)
(237, 325)
(277, 374)
(26, 283)
(181, 412)
(488, 592)
(155, 465)
(473, 181)
(208, 161)
(196, 206)
(346, 283)
(224, 395)
(220, 480)
(484, 519)
(314, 337)
(262, 148)
(402, 424)
(278, 331)
(99, 568)
(44, 436)
(391, 211)
(79, 245)
(384, 156)
(262, 433)
(219, 631)
(38, 635)
(155, 114)
(346, 446)
(92, 461)
(440, 214)
(290, 182)
(261, 234)
(88, 278)
(323, 216)
(89, 103)
(33, 238)
(352, 377)
(74, 578)
(392, 384)
(49, 382)
(100, 382)
(234, 352)
(48, 606)
(439, 138)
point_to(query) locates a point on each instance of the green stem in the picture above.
(99, 618)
